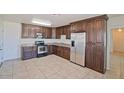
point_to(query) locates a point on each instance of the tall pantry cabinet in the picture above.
(96, 45)
(95, 29)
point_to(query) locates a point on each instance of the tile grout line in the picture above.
(41, 72)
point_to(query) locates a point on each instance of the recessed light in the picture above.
(119, 30)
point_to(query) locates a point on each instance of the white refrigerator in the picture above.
(78, 45)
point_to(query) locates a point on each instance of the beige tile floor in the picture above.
(54, 67)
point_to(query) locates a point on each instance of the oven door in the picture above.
(42, 49)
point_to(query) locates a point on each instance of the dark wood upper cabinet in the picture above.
(100, 30)
(29, 31)
(64, 30)
(49, 33)
(58, 33)
(90, 34)
(68, 32)
(25, 30)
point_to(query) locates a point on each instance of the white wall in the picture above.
(115, 22)
(1, 40)
(118, 40)
(11, 40)
(1, 33)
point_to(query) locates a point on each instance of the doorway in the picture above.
(117, 51)
(1, 42)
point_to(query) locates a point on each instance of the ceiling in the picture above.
(55, 19)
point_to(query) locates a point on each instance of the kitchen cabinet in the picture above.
(28, 52)
(64, 30)
(63, 52)
(50, 49)
(54, 49)
(25, 30)
(96, 45)
(77, 26)
(66, 53)
(29, 31)
(68, 33)
(48, 33)
(95, 29)
(58, 33)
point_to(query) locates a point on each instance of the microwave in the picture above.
(39, 35)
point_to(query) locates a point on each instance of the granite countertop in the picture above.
(56, 44)
(28, 45)
(59, 44)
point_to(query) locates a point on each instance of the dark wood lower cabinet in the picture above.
(95, 57)
(28, 52)
(63, 52)
(99, 57)
(50, 49)
(66, 53)
(89, 55)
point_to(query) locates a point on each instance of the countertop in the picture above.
(28, 45)
(56, 44)
(59, 44)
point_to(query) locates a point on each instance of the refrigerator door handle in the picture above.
(72, 43)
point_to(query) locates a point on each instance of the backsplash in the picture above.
(32, 41)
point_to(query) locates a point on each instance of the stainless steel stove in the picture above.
(41, 48)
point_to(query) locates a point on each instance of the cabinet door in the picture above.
(58, 33)
(99, 57)
(62, 52)
(89, 55)
(66, 53)
(25, 29)
(68, 33)
(90, 34)
(54, 49)
(58, 51)
(99, 30)
(26, 53)
(34, 52)
(50, 49)
(64, 30)
(44, 32)
(29, 31)
(49, 33)
(72, 28)
(29, 52)
(36, 29)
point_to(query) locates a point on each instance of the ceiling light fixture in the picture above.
(119, 30)
(41, 22)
